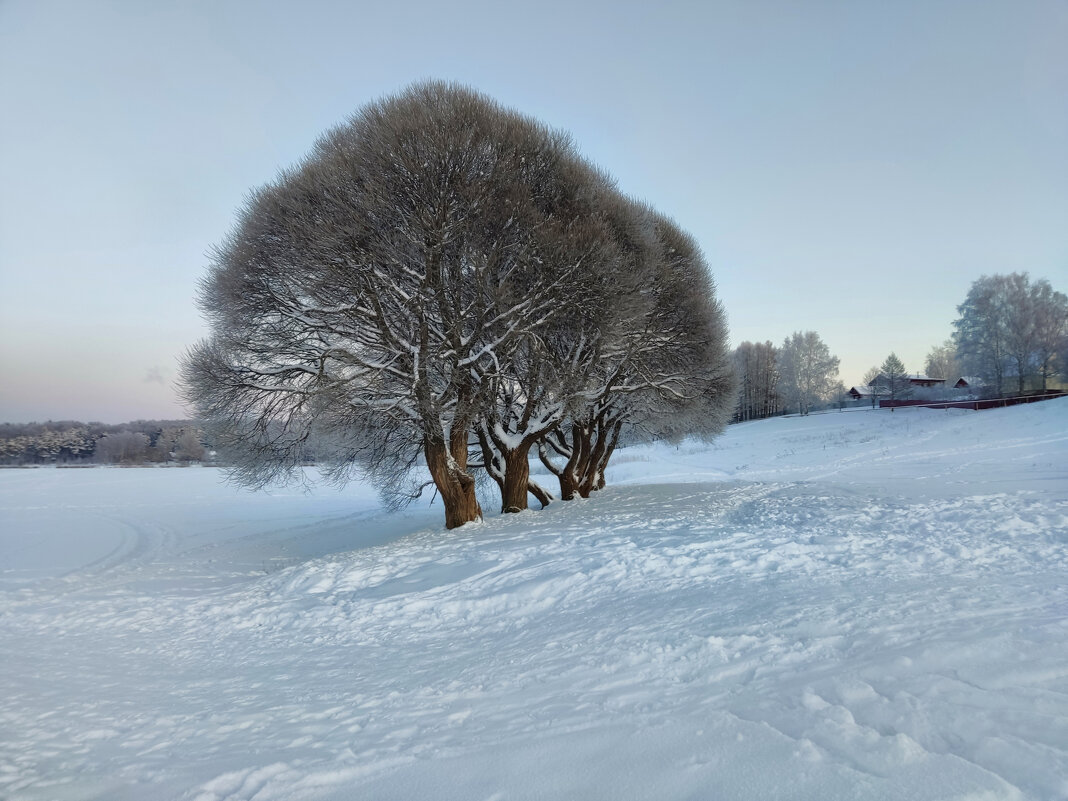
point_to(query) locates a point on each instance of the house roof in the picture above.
(913, 378)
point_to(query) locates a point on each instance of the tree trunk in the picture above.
(608, 451)
(456, 485)
(568, 486)
(593, 463)
(511, 471)
(516, 479)
(601, 452)
(575, 469)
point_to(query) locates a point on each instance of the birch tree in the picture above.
(941, 361)
(1010, 327)
(1021, 332)
(1050, 310)
(755, 364)
(982, 333)
(808, 370)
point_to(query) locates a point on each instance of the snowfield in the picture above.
(863, 605)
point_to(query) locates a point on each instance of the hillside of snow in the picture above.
(866, 605)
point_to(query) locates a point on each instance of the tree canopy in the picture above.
(1011, 328)
(893, 380)
(809, 370)
(441, 274)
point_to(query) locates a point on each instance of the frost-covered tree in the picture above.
(941, 362)
(981, 332)
(1021, 333)
(1009, 328)
(123, 447)
(545, 376)
(755, 365)
(438, 271)
(1050, 310)
(188, 447)
(53, 442)
(12, 450)
(665, 372)
(590, 430)
(372, 289)
(808, 370)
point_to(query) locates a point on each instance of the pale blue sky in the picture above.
(848, 167)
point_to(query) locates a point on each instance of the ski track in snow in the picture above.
(861, 605)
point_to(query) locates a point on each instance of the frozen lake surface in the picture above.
(851, 605)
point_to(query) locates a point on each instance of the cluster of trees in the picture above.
(800, 374)
(73, 442)
(1011, 336)
(756, 365)
(809, 371)
(444, 282)
(941, 362)
(1012, 331)
(33, 443)
(889, 380)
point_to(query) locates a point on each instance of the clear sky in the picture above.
(848, 167)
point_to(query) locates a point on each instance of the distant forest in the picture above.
(70, 442)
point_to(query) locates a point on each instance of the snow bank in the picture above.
(865, 605)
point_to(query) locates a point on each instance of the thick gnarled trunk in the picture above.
(575, 469)
(509, 467)
(600, 453)
(454, 483)
(516, 480)
(588, 451)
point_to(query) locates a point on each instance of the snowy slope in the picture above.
(861, 605)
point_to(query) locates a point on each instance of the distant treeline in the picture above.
(142, 442)
(73, 442)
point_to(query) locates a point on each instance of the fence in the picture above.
(977, 405)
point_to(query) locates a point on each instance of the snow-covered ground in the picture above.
(864, 605)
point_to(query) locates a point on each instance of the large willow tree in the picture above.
(438, 272)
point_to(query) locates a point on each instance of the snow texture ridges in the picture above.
(846, 605)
